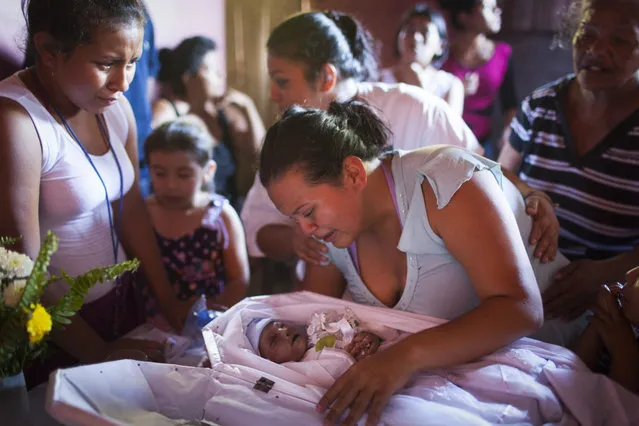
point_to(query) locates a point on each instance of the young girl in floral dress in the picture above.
(200, 235)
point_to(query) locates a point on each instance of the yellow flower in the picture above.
(39, 324)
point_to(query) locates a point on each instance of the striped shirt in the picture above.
(597, 193)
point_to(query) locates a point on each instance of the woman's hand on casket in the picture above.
(574, 288)
(545, 227)
(368, 384)
(611, 325)
(142, 350)
(175, 311)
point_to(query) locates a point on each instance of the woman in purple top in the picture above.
(484, 66)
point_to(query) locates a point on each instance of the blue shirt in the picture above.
(147, 67)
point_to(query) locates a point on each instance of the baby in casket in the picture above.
(281, 341)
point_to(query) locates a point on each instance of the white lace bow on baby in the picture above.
(333, 330)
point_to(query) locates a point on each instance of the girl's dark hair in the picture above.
(424, 11)
(456, 8)
(73, 22)
(185, 58)
(181, 135)
(318, 141)
(319, 38)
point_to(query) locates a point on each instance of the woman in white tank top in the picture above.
(318, 57)
(68, 164)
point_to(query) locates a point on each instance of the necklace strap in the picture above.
(115, 234)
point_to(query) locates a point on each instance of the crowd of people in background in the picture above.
(390, 186)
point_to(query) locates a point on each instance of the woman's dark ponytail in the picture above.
(361, 42)
(317, 142)
(186, 58)
(362, 121)
(315, 39)
(166, 72)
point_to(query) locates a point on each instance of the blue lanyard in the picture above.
(115, 239)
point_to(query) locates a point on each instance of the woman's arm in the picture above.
(539, 206)
(455, 96)
(327, 280)
(625, 367)
(247, 137)
(505, 133)
(480, 232)
(138, 240)
(20, 165)
(509, 102)
(269, 233)
(589, 347)
(235, 260)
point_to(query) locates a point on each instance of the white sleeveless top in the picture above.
(415, 118)
(72, 200)
(436, 284)
(438, 86)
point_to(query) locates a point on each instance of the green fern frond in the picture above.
(79, 286)
(37, 280)
(13, 344)
(15, 348)
(8, 241)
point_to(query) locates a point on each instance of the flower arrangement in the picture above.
(24, 321)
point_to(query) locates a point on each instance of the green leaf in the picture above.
(8, 241)
(37, 280)
(15, 348)
(327, 341)
(79, 286)
(13, 343)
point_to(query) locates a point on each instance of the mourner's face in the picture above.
(177, 177)
(331, 213)
(289, 85)
(419, 41)
(606, 45)
(93, 76)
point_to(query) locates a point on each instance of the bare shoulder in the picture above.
(235, 96)
(160, 104)
(229, 215)
(162, 111)
(455, 81)
(11, 110)
(17, 130)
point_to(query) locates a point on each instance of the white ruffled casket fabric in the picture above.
(528, 382)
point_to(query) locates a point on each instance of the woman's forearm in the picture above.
(80, 341)
(276, 241)
(139, 241)
(618, 266)
(589, 347)
(523, 188)
(255, 132)
(234, 291)
(495, 323)
(624, 368)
